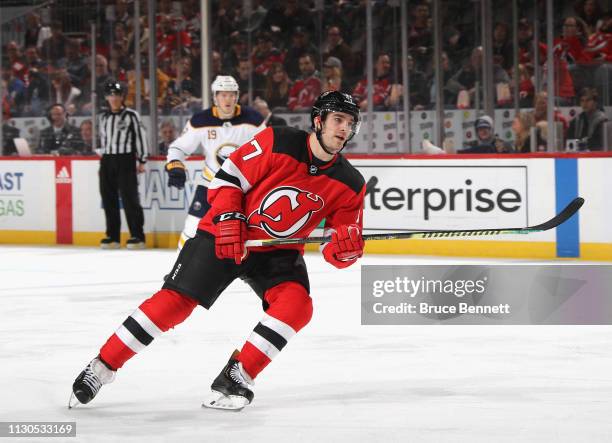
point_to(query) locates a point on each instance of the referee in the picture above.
(124, 153)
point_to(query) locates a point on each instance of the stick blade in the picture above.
(561, 217)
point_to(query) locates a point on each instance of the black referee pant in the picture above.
(118, 177)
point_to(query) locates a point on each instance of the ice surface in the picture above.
(337, 381)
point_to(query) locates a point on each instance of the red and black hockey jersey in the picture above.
(283, 189)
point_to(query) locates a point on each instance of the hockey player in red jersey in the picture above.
(280, 184)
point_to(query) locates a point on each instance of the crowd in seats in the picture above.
(286, 53)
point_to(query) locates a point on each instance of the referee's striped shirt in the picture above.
(122, 132)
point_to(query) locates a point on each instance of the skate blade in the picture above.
(110, 246)
(217, 400)
(73, 402)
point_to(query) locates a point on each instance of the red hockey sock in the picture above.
(290, 309)
(164, 310)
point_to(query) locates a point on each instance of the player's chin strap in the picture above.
(318, 133)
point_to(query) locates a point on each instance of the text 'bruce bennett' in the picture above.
(427, 308)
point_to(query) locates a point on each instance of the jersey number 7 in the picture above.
(255, 153)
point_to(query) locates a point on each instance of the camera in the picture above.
(572, 145)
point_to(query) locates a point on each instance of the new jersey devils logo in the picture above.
(285, 211)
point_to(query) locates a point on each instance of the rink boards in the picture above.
(55, 200)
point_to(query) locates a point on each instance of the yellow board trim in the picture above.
(28, 237)
(437, 247)
(154, 239)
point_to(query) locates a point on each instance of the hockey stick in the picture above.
(558, 219)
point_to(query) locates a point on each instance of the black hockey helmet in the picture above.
(334, 101)
(113, 87)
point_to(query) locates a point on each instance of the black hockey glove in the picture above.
(176, 174)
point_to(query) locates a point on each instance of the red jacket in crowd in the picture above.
(382, 89)
(600, 46)
(571, 49)
(304, 92)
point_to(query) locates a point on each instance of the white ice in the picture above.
(336, 381)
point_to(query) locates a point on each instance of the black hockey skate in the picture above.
(88, 383)
(109, 243)
(230, 390)
(135, 243)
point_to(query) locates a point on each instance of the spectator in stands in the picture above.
(600, 49)
(162, 83)
(526, 86)
(196, 61)
(381, 87)
(53, 49)
(590, 12)
(9, 133)
(525, 41)
(119, 62)
(122, 12)
(121, 36)
(216, 64)
(467, 77)
(564, 84)
(86, 130)
(102, 79)
(588, 126)
(335, 46)
(571, 45)
(521, 126)
(191, 18)
(332, 78)
(16, 63)
(300, 45)
(450, 99)
(307, 88)
(38, 91)
(486, 141)
(76, 65)
(171, 40)
(420, 38)
(190, 103)
(257, 16)
(32, 58)
(276, 93)
(227, 19)
(167, 132)
(61, 137)
(502, 46)
(257, 82)
(15, 90)
(599, 45)
(175, 87)
(455, 47)
(287, 16)
(35, 32)
(265, 53)
(418, 89)
(270, 119)
(62, 91)
(237, 50)
(540, 110)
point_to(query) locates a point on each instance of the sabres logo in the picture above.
(224, 151)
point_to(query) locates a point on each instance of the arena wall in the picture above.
(55, 200)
